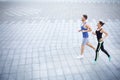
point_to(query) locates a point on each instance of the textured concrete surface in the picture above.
(39, 41)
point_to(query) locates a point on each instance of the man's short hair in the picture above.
(85, 16)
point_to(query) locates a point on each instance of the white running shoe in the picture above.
(80, 57)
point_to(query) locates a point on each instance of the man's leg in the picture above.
(90, 45)
(83, 45)
(82, 49)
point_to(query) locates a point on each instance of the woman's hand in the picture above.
(101, 40)
(93, 33)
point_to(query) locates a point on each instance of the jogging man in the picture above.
(85, 28)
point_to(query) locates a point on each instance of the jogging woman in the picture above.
(99, 32)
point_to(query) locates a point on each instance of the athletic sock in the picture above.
(109, 58)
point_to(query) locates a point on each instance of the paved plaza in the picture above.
(39, 41)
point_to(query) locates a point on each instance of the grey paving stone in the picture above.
(86, 76)
(36, 74)
(4, 76)
(77, 77)
(20, 76)
(12, 77)
(61, 77)
(69, 77)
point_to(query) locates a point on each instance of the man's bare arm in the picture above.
(88, 29)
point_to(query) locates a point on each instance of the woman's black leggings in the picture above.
(100, 46)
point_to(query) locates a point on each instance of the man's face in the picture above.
(83, 19)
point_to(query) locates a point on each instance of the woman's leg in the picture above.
(97, 51)
(102, 48)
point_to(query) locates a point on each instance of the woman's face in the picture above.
(98, 25)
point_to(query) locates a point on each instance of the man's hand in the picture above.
(79, 30)
(84, 31)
